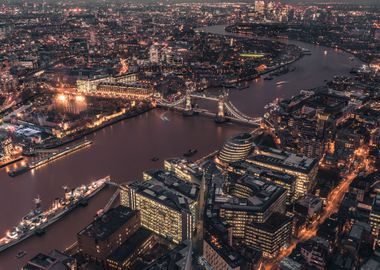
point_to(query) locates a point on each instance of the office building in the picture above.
(163, 211)
(178, 258)
(236, 148)
(220, 256)
(106, 233)
(374, 217)
(188, 190)
(271, 236)
(284, 180)
(54, 260)
(184, 169)
(303, 168)
(253, 200)
(122, 90)
(126, 255)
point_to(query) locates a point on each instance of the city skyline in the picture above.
(189, 135)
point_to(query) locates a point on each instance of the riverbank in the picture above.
(92, 130)
(261, 73)
(124, 150)
(327, 45)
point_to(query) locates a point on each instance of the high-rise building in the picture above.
(188, 190)
(220, 256)
(127, 254)
(284, 180)
(106, 234)
(184, 169)
(254, 200)
(374, 217)
(271, 236)
(236, 148)
(303, 168)
(163, 211)
(6, 146)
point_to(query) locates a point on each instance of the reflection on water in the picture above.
(125, 150)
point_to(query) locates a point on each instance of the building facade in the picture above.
(162, 211)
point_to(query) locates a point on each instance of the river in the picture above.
(124, 151)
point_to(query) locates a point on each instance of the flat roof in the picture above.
(129, 246)
(229, 255)
(284, 159)
(169, 179)
(43, 260)
(273, 223)
(104, 226)
(154, 190)
(264, 194)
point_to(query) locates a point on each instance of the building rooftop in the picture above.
(170, 180)
(273, 223)
(284, 159)
(309, 201)
(162, 194)
(174, 260)
(55, 260)
(187, 165)
(263, 194)
(230, 256)
(265, 173)
(129, 246)
(104, 226)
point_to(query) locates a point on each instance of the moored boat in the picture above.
(37, 219)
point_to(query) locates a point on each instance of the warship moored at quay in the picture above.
(37, 219)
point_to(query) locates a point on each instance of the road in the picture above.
(333, 202)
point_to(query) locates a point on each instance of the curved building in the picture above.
(236, 148)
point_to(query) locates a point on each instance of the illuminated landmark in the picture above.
(236, 148)
(121, 86)
(91, 85)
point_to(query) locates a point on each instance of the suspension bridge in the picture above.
(225, 109)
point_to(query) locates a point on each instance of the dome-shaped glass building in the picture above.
(236, 148)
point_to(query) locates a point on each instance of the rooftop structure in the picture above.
(302, 167)
(106, 233)
(163, 211)
(184, 169)
(254, 200)
(137, 244)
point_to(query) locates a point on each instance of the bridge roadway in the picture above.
(224, 106)
(203, 112)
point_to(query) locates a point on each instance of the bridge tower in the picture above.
(220, 117)
(188, 107)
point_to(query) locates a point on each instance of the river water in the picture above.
(124, 151)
